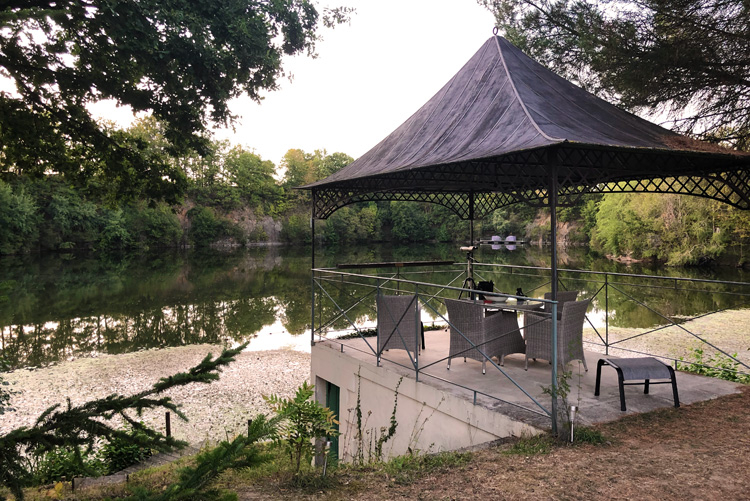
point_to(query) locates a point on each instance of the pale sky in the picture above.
(370, 76)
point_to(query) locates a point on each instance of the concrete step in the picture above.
(121, 477)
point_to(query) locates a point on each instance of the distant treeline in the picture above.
(235, 197)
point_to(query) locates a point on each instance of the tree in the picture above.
(251, 176)
(687, 57)
(182, 61)
(302, 168)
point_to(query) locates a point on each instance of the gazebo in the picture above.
(506, 130)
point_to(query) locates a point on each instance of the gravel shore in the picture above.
(215, 410)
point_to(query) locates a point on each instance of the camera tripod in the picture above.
(469, 282)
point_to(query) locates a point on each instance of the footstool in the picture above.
(630, 369)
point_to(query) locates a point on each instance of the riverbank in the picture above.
(215, 410)
(726, 330)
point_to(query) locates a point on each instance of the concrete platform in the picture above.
(498, 392)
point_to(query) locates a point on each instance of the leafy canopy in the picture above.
(687, 57)
(181, 60)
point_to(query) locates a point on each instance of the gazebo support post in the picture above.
(552, 200)
(312, 273)
(471, 219)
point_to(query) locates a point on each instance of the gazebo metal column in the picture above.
(312, 272)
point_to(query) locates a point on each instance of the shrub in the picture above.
(296, 229)
(206, 227)
(64, 463)
(160, 227)
(19, 220)
(717, 365)
(114, 234)
(119, 452)
(302, 421)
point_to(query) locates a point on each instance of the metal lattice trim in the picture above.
(525, 177)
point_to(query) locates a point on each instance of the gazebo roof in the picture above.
(504, 125)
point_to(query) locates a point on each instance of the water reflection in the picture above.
(59, 307)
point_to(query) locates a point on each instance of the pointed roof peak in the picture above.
(500, 102)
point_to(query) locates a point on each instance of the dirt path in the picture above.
(700, 451)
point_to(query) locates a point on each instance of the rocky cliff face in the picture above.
(569, 233)
(257, 229)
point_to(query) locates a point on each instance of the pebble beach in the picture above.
(215, 411)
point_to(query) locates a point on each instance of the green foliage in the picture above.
(119, 453)
(717, 365)
(411, 221)
(531, 446)
(351, 225)
(114, 234)
(19, 220)
(304, 168)
(588, 435)
(252, 177)
(296, 229)
(411, 467)
(512, 220)
(79, 428)
(302, 420)
(387, 433)
(155, 227)
(194, 482)
(206, 227)
(675, 229)
(183, 64)
(682, 55)
(64, 463)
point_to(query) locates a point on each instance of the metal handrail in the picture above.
(609, 280)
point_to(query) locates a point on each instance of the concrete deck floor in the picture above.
(496, 391)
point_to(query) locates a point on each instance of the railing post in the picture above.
(554, 368)
(377, 326)
(417, 330)
(606, 313)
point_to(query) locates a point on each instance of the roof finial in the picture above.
(495, 30)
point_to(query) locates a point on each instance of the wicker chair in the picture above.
(397, 324)
(538, 331)
(496, 335)
(562, 298)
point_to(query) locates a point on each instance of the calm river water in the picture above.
(57, 307)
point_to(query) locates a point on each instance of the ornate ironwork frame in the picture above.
(475, 188)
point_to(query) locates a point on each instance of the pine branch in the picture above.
(83, 425)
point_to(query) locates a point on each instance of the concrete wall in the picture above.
(429, 419)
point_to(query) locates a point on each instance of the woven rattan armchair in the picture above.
(562, 298)
(397, 324)
(538, 330)
(470, 331)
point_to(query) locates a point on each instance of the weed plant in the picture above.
(410, 467)
(532, 445)
(717, 365)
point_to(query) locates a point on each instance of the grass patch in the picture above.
(532, 446)
(587, 435)
(406, 469)
(278, 473)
